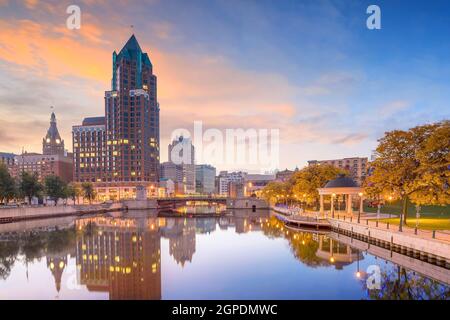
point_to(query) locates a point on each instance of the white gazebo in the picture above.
(342, 185)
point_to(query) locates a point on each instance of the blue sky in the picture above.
(310, 68)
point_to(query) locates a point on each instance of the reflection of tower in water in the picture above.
(122, 257)
(182, 242)
(57, 264)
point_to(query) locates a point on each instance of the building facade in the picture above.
(130, 138)
(54, 160)
(254, 183)
(9, 160)
(205, 178)
(89, 151)
(45, 165)
(357, 167)
(181, 154)
(225, 179)
(173, 172)
(285, 175)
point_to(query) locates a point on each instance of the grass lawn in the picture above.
(424, 223)
(425, 211)
(431, 217)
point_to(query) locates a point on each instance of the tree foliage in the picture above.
(303, 185)
(412, 165)
(30, 186)
(73, 191)
(88, 191)
(55, 188)
(309, 179)
(7, 185)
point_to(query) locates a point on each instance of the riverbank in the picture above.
(8, 215)
(435, 244)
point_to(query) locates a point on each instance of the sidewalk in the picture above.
(369, 219)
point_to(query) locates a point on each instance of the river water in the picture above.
(244, 255)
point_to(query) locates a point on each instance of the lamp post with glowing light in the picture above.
(400, 225)
(389, 200)
(360, 206)
(417, 215)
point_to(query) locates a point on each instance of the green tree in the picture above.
(30, 186)
(9, 251)
(7, 185)
(54, 188)
(88, 191)
(73, 192)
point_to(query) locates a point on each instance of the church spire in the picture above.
(52, 144)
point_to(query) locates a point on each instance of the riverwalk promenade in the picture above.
(435, 244)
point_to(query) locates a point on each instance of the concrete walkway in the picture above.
(369, 219)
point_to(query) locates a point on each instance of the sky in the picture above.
(311, 69)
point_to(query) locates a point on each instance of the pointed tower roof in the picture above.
(132, 44)
(52, 132)
(132, 50)
(52, 142)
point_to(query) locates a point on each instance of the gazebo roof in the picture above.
(341, 182)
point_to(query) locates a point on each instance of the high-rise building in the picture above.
(174, 172)
(356, 167)
(52, 143)
(89, 151)
(132, 117)
(182, 153)
(204, 178)
(130, 133)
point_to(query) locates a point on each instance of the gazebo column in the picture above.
(349, 204)
(332, 205)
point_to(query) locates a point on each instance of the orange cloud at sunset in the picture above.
(71, 69)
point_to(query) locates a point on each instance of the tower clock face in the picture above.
(48, 140)
(58, 141)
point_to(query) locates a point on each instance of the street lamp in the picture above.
(400, 225)
(390, 200)
(360, 205)
(417, 215)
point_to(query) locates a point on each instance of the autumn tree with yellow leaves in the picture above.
(413, 165)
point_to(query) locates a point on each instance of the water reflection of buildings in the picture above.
(181, 235)
(120, 256)
(205, 225)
